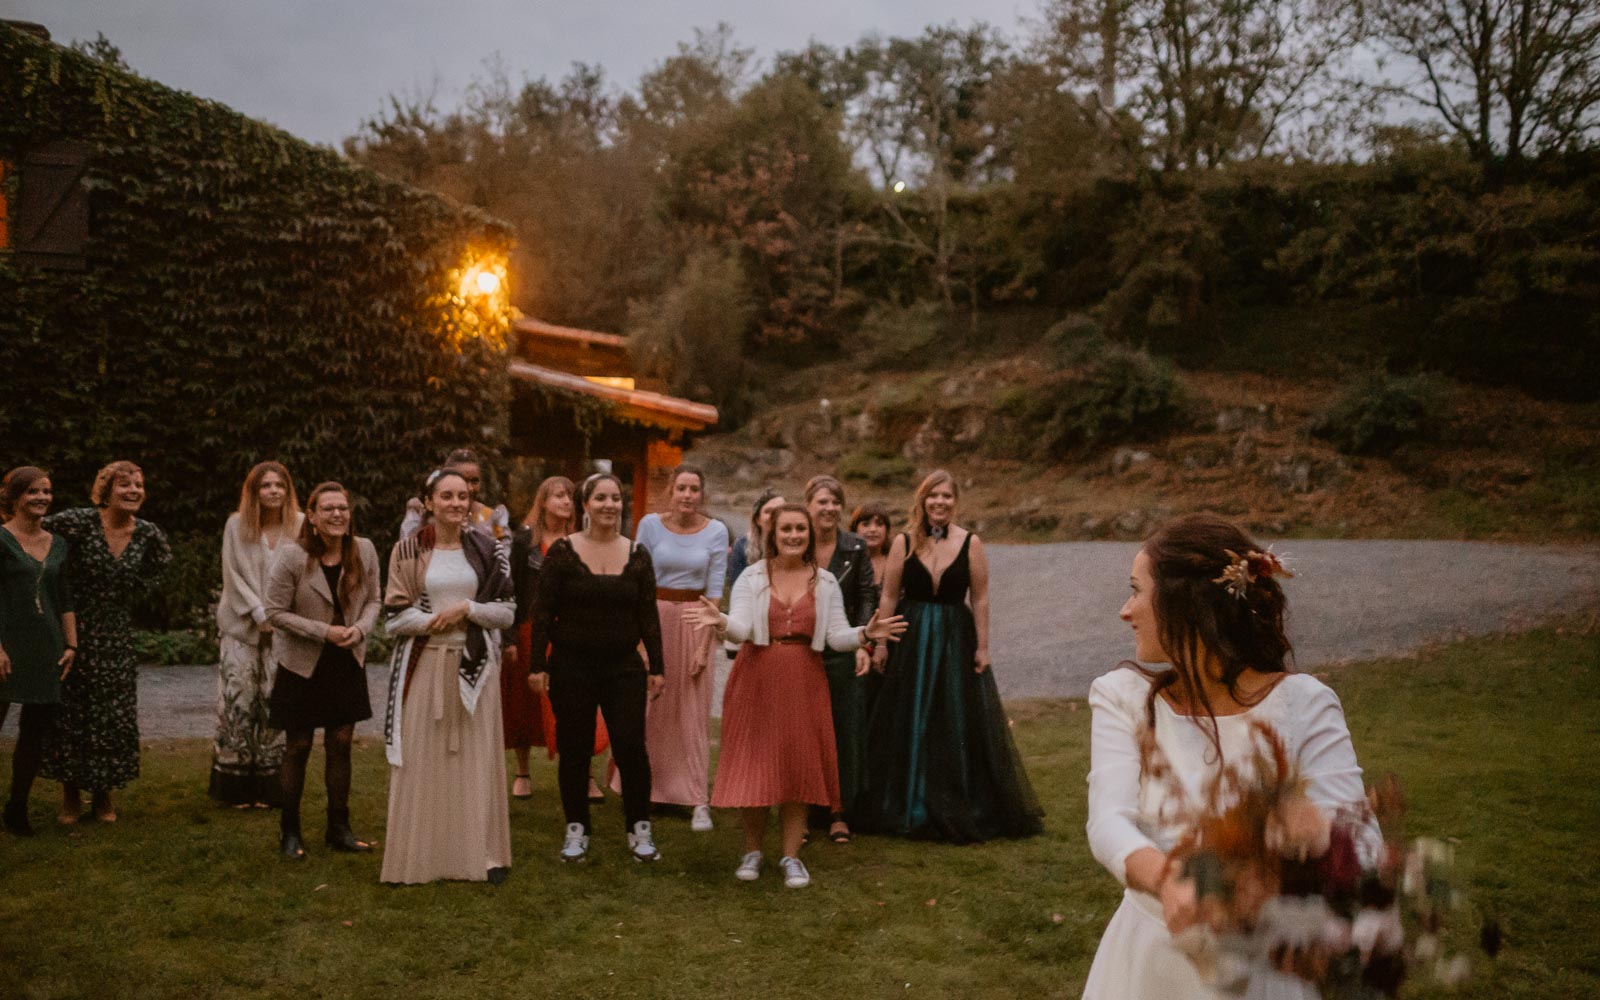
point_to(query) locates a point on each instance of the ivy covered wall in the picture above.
(243, 295)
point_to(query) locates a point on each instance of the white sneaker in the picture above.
(795, 875)
(641, 844)
(576, 846)
(702, 819)
(749, 867)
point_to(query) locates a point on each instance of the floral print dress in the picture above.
(95, 742)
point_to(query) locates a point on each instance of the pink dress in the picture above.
(777, 720)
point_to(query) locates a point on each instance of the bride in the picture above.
(1206, 600)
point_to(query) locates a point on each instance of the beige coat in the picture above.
(243, 606)
(300, 607)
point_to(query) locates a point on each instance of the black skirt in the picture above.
(334, 695)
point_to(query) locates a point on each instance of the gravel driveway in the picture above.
(1055, 613)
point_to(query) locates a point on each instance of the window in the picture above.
(48, 221)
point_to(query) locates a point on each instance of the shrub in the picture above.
(896, 336)
(175, 648)
(1111, 393)
(1377, 412)
(877, 464)
(186, 594)
(692, 335)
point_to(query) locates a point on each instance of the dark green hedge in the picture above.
(245, 296)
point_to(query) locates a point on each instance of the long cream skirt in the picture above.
(448, 817)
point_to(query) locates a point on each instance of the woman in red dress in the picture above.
(777, 723)
(529, 720)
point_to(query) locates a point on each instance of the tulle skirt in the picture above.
(941, 762)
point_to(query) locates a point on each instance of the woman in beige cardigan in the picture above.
(322, 601)
(247, 752)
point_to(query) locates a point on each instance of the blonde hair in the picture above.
(918, 521)
(106, 480)
(250, 499)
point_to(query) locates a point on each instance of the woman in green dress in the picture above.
(113, 558)
(38, 631)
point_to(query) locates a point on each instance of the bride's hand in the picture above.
(1180, 906)
(708, 615)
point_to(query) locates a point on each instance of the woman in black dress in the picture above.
(941, 762)
(322, 600)
(113, 559)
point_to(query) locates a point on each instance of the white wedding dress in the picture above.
(1136, 959)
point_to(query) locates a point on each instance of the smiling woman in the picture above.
(113, 557)
(940, 760)
(38, 630)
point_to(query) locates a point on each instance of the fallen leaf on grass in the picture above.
(348, 923)
(320, 887)
(1056, 918)
(931, 902)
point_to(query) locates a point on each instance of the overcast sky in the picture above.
(318, 67)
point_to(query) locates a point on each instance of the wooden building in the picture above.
(577, 401)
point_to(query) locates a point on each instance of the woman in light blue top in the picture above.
(690, 553)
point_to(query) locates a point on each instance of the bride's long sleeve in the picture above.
(1114, 777)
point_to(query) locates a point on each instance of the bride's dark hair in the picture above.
(1196, 614)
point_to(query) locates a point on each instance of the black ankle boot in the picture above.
(340, 837)
(290, 846)
(16, 819)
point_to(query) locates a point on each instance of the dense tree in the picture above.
(1508, 77)
(1209, 82)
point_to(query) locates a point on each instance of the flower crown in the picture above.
(1244, 570)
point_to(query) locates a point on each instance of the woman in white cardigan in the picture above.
(777, 722)
(247, 752)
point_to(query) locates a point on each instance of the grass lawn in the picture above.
(1491, 738)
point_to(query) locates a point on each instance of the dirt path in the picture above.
(1056, 627)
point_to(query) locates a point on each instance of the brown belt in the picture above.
(794, 640)
(678, 596)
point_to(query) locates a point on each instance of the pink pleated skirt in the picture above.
(677, 724)
(777, 730)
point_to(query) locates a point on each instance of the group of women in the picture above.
(68, 584)
(860, 688)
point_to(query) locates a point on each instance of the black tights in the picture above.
(618, 690)
(33, 723)
(297, 753)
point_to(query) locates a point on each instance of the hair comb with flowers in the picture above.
(1244, 570)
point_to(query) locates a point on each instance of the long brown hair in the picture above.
(250, 499)
(16, 484)
(541, 496)
(1196, 616)
(918, 522)
(353, 576)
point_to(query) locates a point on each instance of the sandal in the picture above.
(523, 781)
(839, 833)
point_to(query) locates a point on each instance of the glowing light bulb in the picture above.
(899, 186)
(488, 282)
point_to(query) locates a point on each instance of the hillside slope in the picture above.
(1503, 466)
